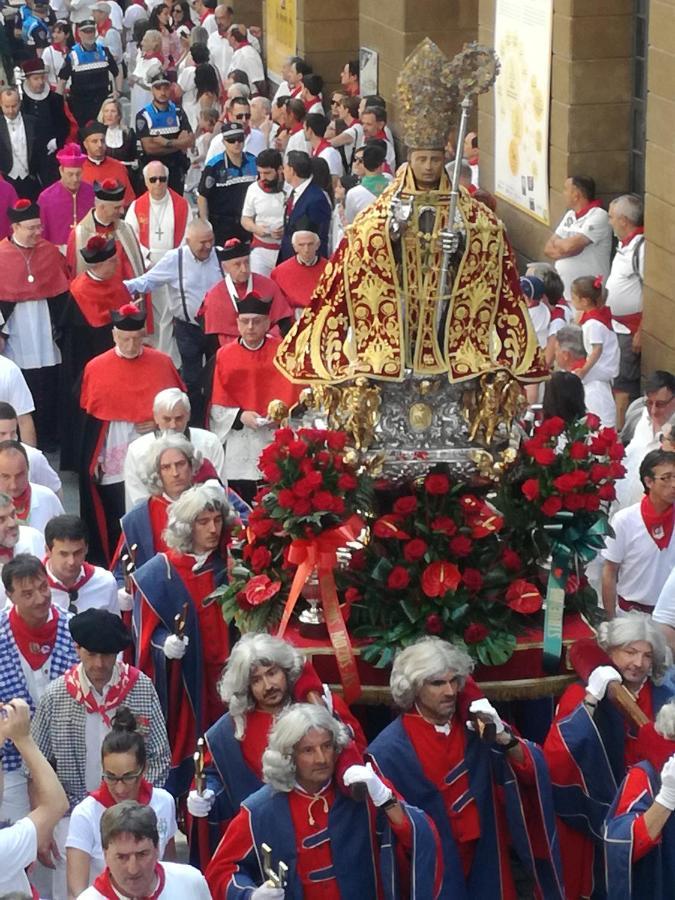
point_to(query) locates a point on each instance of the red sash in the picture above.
(128, 676)
(105, 798)
(600, 314)
(35, 644)
(632, 321)
(103, 885)
(180, 214)
(659, 525)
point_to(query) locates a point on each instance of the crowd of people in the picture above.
(166, 213)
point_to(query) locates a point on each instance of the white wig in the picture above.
(637, 626)
(168, 399)
(278, 760)
(665, 720)
(423, 661)
(150, 475)
(254, 649)
(191, 504)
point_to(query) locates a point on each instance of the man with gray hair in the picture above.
(435, 756)
(298, 276)
(189, 272)
(159, 218)
(178, 623)
(353, 848)
(263, 676)
(570, 355)
(624, 296)
(171, 412)
(130, 841)
(590, 744)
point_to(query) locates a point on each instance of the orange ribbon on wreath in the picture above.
(320, 553)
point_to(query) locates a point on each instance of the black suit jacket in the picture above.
(35, 145)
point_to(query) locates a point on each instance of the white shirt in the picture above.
(624, 287)
(204, 441)
(17, 137)
(332, 157)
(40, 470)
(297, 141)
(254, 144)
(18, 849)
(220, 53)
(607, 366)
(284, 90)
(629, 489)
(44, 505)
(265, 209)
(198, 278)
(99, 592)
(84, 829)
(644, 568)
(540, 316)
(248, 60)
(209, 22)
(160, 230)
(53, 60)
(594, 258)
(13, 387)
(30, 343)
(181, 881)
(664, 611)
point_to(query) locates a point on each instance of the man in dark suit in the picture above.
(307, 207)
(47, 108)
(21, 150)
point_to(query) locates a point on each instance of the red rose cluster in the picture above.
(574, 466)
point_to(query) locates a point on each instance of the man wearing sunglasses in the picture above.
(76, 711)
(224, 183)
(165, 133)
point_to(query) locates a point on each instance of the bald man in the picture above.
(159, 219)
(188, 272)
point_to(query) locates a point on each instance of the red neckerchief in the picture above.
(88, 572)
(204, 16)
(128, 676)
(35, 644)
(310, 103)
(103, 885)
(577, 364)
(472, 188)
(558, 311)
(579, 214)
(60, 48)
(320, 147)
(22, 505)
(296, 128)
(600, 314)
(105, 798)
(626, 241)
(659, 525)
(104, 28)
(296, 90)
(473, 160)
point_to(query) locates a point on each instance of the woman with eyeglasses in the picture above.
(160, 20)
(123, 763)
(180, 13)
(120, 141)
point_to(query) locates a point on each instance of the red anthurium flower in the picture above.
(260, 589)
(389, 527)
(440, 577)
(523, 597)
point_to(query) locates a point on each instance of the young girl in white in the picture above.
(123, 762)
(601, 344)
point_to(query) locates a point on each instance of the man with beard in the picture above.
(262, 214)
(16, 539)
(185, 662)
(98, 166)
(47, 109)
(67, 201)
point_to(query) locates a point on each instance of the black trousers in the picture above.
(43, 385)
(27, 188)
(192, 346)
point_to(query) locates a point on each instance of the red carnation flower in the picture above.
(616, 470)
(336, 440)
(261, 559)
(579, 450)
(523, 597)
(302, 506)
(437, 485)
(544, 455)
(530, 488)
(389, 527)
(616, 452)
(532, 444)
(405, 505)
(461, 545)
(297, 449)
(571, 481)
(598, 472)
(551, 427)
(607, 492)
(440, 577)
(511, 560)
(414, 550)
(260, 589)
(261, 527)
(444, 525)
(592, 502)
(592, 421)
(398, 578)
(551, 506)
(323, 500)
(96, 242)
(283, 436)
(433, 624)
(475, 633)
(574, 502)
(608, 435)
(473, 580)
(347, 482)
(286, 498)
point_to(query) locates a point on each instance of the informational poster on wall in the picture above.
(280, 35)
(523, 30)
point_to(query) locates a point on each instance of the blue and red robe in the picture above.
(588, 757)
(340, 849)
(186, 687)
(480, 801)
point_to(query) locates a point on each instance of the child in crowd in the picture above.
(602, 347)
(208, 119)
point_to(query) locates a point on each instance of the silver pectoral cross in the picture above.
(159, 232)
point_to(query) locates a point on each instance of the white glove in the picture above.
(51, 146)
(175, 647)
(666, 796)
(126, 601)
(600, 679)
(377, 790)
(199, 805)
(265, 892)
(485, 708)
